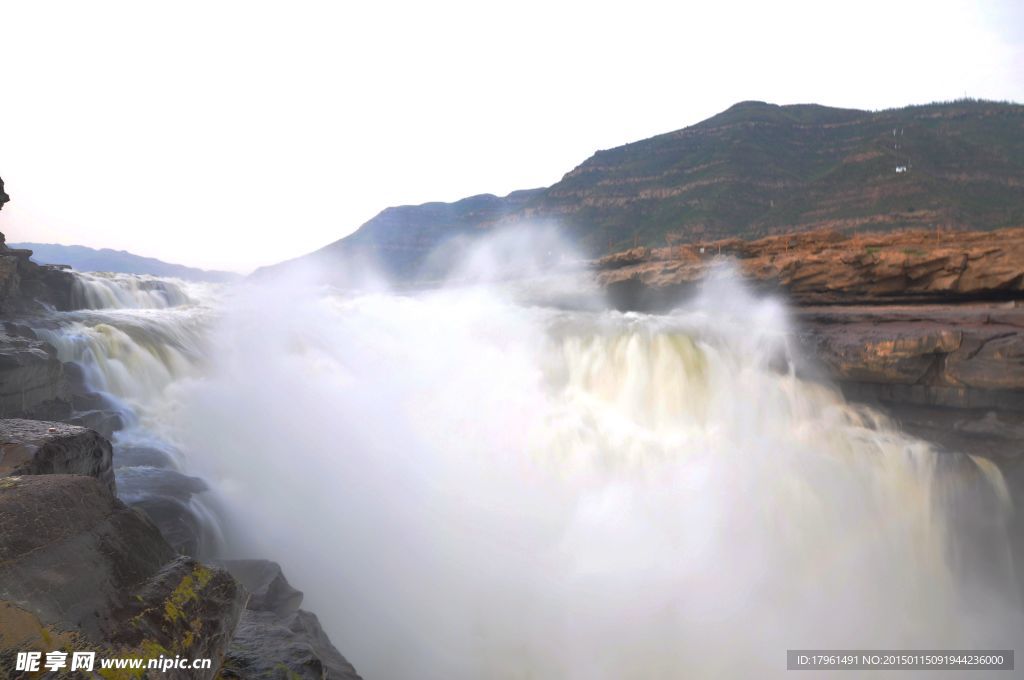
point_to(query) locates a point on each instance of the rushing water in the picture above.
(467, 486)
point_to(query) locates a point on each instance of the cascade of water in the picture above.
(127, 291)
(137, 341)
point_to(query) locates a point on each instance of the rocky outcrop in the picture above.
(276, 639)
(25, 284)
(827, 267)
(81, 571)
(33, 447)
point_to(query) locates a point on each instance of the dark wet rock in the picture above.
(74, 374)
(136, 483)
(276, 639)
(32, 380)
(268, 589)
(270, 646)
(177, 520)
(104, 421)
(83, 398)
(90, 401)
(165, 496)
(142, 456)
(33, 447)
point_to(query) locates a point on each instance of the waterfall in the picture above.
(467, 486)
(127, 291)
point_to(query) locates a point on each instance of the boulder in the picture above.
(33, 447)
(186, 609)
(268, 589)
(80, 570)
(70, 552)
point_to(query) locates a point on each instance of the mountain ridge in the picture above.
(753, 170)
(84, 258)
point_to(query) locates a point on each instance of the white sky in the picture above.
(232, 135)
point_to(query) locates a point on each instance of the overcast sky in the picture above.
(232, 135)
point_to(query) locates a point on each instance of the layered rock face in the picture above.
(32, 380)
(828, 267)
(25, 285)
(963, 356)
